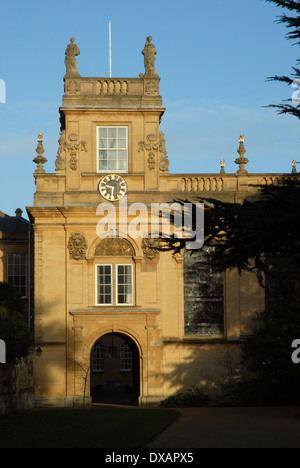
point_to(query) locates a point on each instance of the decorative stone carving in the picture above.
(60, 163)
(150, 247)
(149, 53)
(40, 160)
(151, 161)
(77, 245)
(72, 87)
(73, 144)
(164, 162)
(70, 61)
(159, 146)
(151, 88)
(114, 247)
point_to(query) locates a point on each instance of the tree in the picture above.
(245, 236)
(13, 327)
(269, 376)
(293, 24)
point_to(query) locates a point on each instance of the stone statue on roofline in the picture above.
(149, 53)
(70, 61)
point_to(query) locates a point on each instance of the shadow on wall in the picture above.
(200, 367)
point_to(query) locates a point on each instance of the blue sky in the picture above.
(213, 59)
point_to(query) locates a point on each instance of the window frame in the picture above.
(15, 275)
(114, 268)
(97, 358)
(98, 284)
(118, 284)
(125, 357)
(113, 171)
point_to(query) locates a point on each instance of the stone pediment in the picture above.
(114, 247)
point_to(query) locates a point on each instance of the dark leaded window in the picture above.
(283, 282)
(17, 272)
(203, 296)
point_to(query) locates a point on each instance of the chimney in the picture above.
(18, 213)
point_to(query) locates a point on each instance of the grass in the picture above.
(102, 427)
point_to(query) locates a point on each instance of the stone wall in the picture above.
(16, 387)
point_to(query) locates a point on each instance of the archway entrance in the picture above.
(115, 370)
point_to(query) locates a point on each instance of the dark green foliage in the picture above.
(246, 235)
(10, 299)
(271, 378)
(292, 23)
(13, 327)
(192, 398)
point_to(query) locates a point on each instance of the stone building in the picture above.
(16, 257)
(139, 324)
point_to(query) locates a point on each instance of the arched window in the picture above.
(125, 358)
(98, 357)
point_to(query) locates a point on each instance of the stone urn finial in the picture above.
(40, 160)
(242, 161)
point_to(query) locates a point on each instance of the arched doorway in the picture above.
(115, 370)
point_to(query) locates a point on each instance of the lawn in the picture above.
(101, 427)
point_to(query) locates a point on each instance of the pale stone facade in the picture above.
(71, 315)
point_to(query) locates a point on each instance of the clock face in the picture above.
(112, 187)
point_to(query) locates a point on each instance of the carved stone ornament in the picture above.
(151, 88)
(73, 144)
(60, 163)
(150, 247)
(114, 247)
(163, 161)
(77, 246)
(159, 146)
(72, 87)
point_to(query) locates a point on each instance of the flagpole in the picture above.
(109, 23)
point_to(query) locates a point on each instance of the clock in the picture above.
(112, 187)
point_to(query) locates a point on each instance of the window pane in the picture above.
(125, 284)
(112, 132)
(113, 149)
(112, 155)
(104, 284)
(102, 132)
(17, 272)
(125, 358)
(122, 165)
(122, 144)
(122, 133)
(98, 357)
(112, 143)
(102, 143)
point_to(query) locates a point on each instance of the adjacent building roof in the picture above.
(13, 223)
